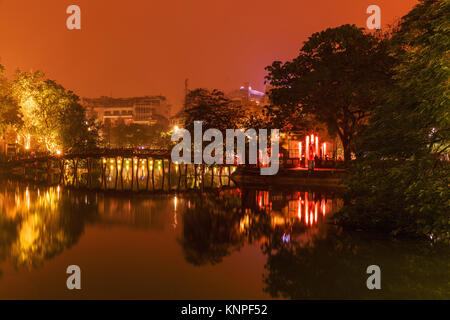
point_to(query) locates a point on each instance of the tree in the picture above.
(337, 78)
(52, 113)
(213, 108)
(400, 183)
(137, 135)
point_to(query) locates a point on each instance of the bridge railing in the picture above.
(98, 152)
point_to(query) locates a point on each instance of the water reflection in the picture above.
(303, 255)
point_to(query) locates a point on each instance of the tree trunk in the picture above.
(346, 140)
(347, 152)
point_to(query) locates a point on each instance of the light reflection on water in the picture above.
(218, 244)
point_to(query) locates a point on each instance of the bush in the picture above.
(401, 197)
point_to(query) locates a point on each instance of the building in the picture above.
(141, 110)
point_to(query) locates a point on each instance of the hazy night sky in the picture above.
(128, 48)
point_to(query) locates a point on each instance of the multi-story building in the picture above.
(139, 110)
(252, 101)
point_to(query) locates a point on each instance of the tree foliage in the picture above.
(136, 135)
(213, 108)
(9, 109)
(52, 113)
(400, 183)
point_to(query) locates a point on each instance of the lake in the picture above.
(224, 243)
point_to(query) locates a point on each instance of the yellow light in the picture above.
(176, 128)
(58, 152)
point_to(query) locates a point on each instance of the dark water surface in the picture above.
(222, 244)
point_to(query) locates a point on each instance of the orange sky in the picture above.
(131, 47)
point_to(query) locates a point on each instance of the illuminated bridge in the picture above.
(119, 170)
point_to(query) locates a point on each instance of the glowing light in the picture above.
(58, 152)
(300, 150)
(307, 148)
(315, 211)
